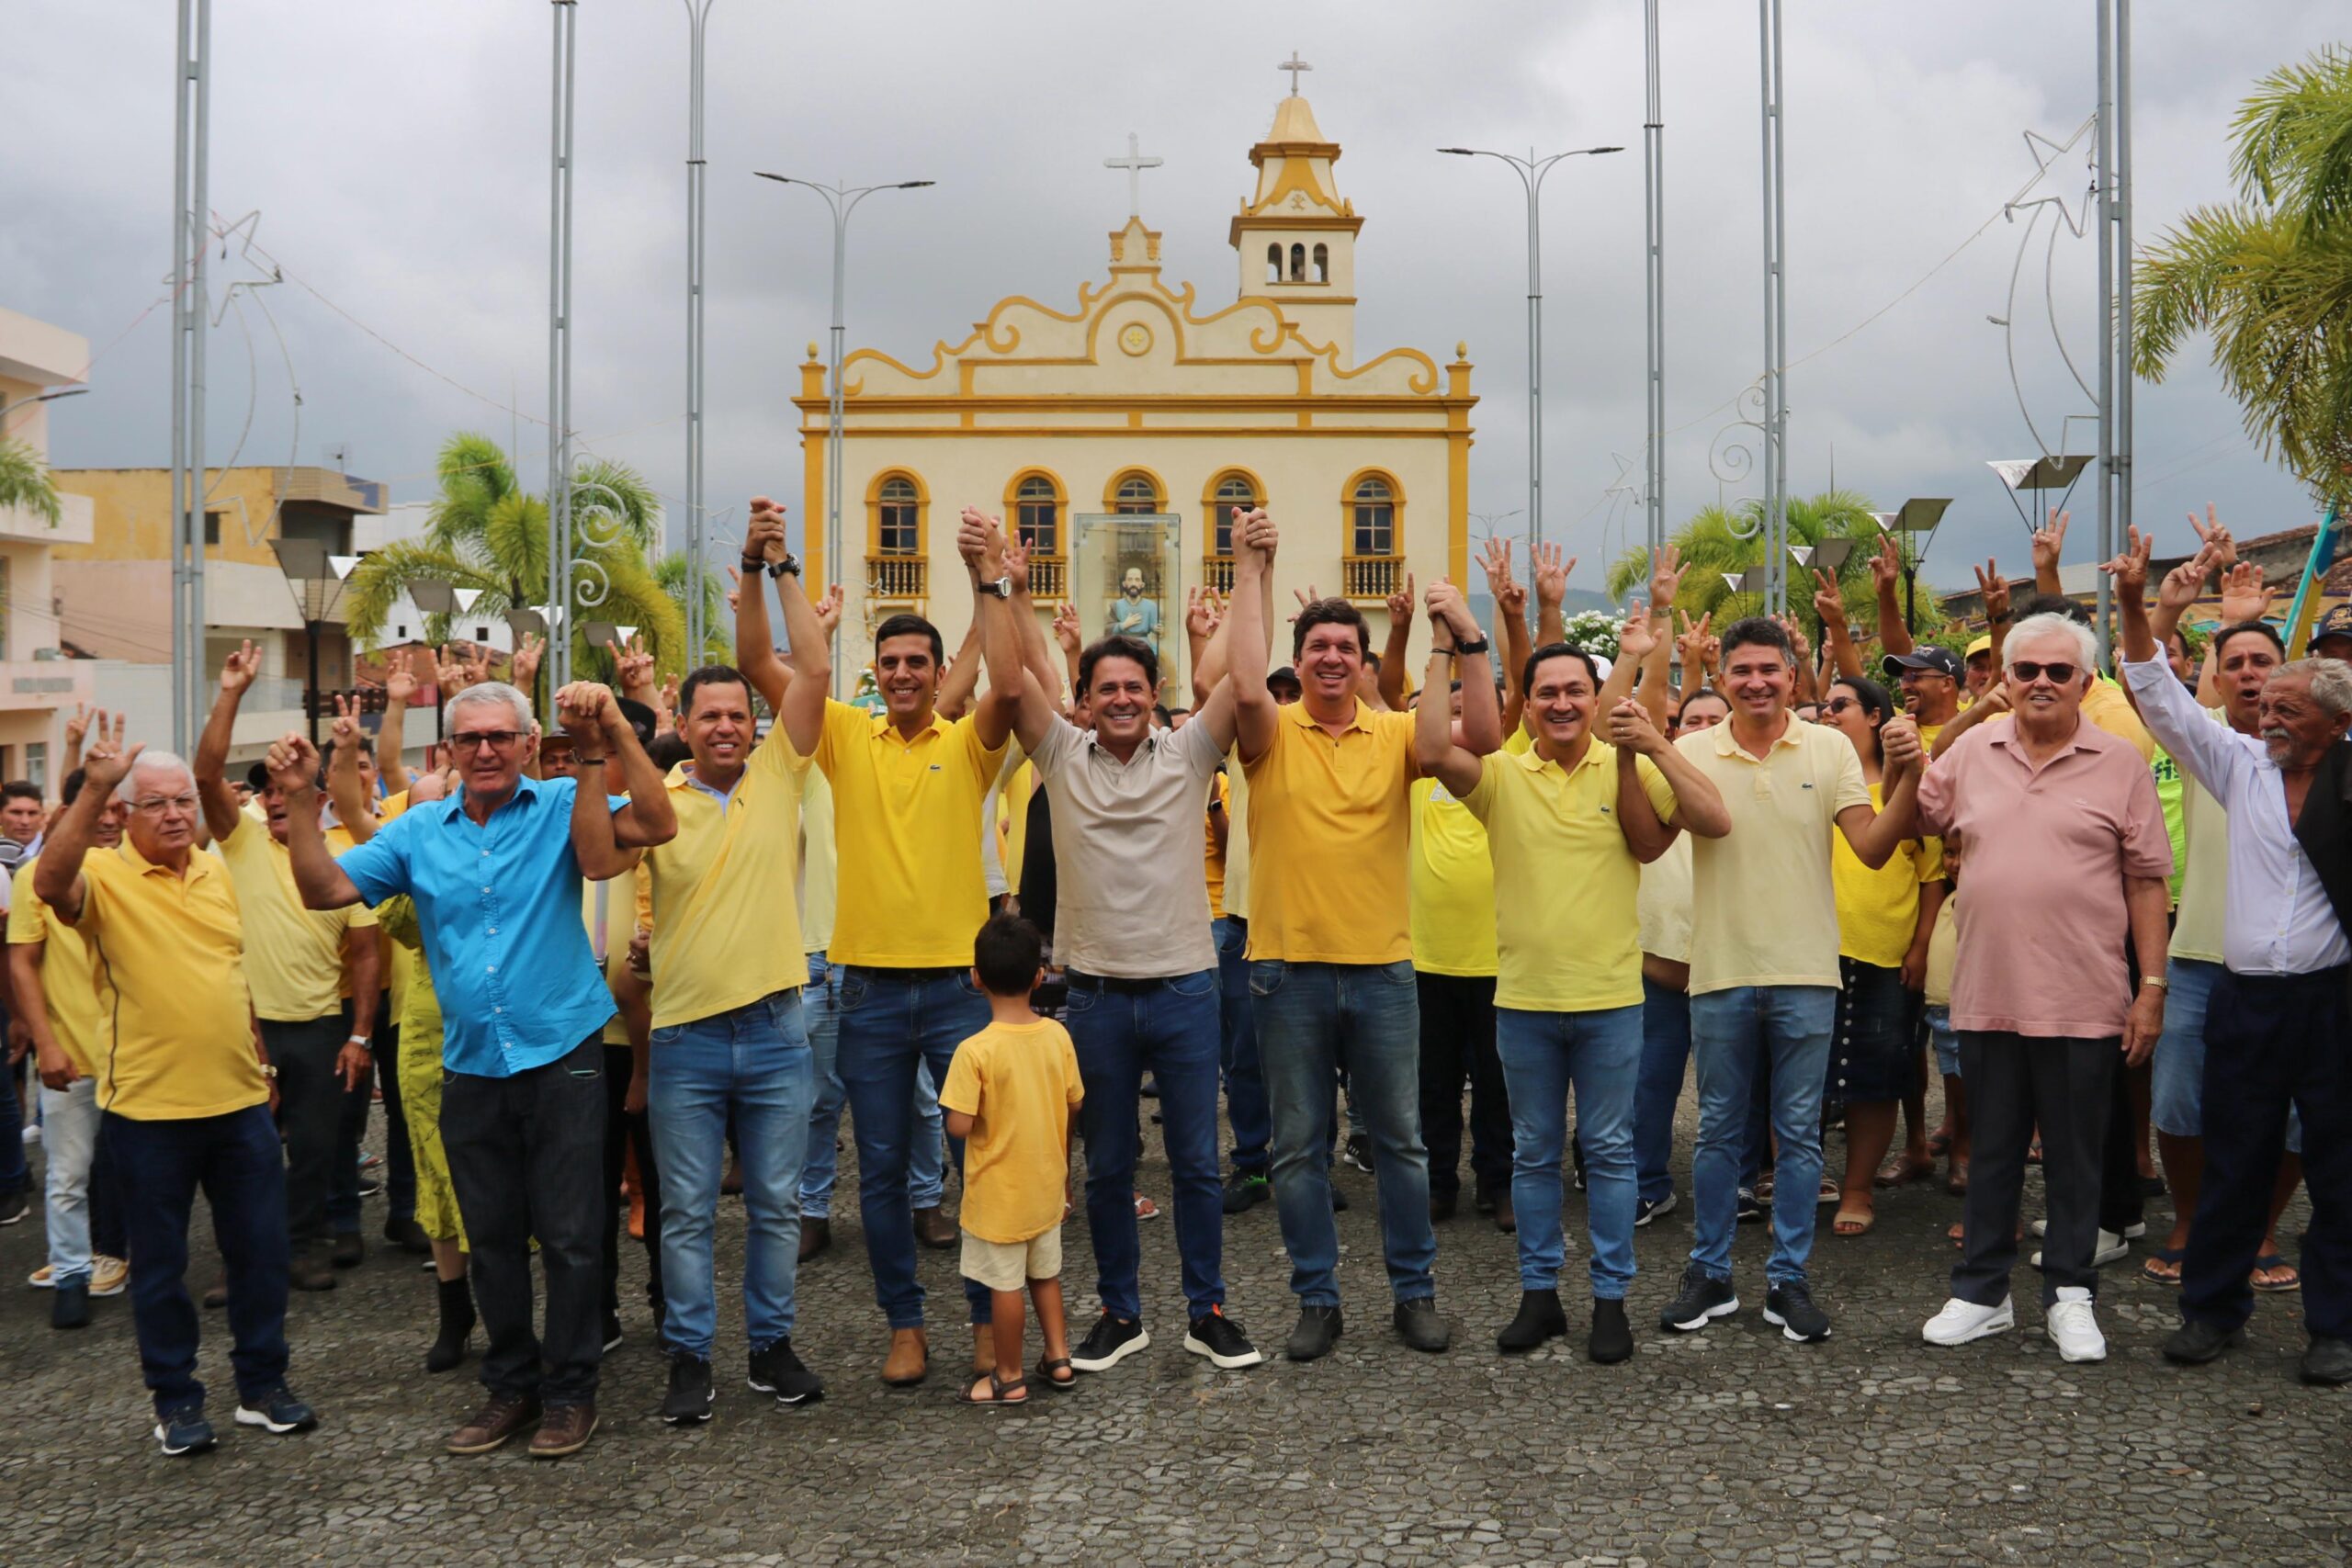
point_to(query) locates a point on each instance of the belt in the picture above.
(1079, 980)
(904, 977)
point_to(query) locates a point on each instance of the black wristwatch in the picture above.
(789, 567)
(1480, 645)
(752, 565)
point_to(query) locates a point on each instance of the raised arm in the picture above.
(1037, 654)
(76, 728)
(293, 766)
(1887, 575)
(237, 673)
(57, 874)
(755, 653)
(962, 677)
(345, 789)
(980, 538)
(1254, 714)
(801, 710)
(1829, 604)
(1551, 593)
(1399, 648)
(608, 842)
(1874, 836)
(1511, 622)
(1434, 753)
(2048, 544)
(400, 686)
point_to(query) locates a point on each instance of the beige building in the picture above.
(1116, 433)
(36, 681)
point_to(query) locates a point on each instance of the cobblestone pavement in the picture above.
(1729, 1446)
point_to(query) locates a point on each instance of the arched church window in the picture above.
(1322, 264)
(1135, 495)
(898, 519)
(1298, 264)
(1274, 264)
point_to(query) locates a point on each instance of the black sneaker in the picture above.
(1790, 1309)
(1108, 1343)
(1244, 1189)
(2194, 1343)
(70, 1306)
(1612, 1340)
(1645, 1211)
(1750, 1208)
(1540, 1318)
(275, 1410)
(370, 1186)
(348, 1251)
(1359, 1150)
(183, 1431)
(1418, 1325)
(688, 1402)
(1318, 1329)
(13, 1206)
(2327, 1361)
(778, 1371)
(1215, 1336)
(1701, 1299)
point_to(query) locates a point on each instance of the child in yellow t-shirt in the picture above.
(1013, 1094)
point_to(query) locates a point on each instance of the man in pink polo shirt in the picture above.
(2067, 857)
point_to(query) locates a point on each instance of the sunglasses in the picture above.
(1840, 704)
(497, 740)
(2060, 673)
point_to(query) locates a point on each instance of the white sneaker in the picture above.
(32, 1134)
(2074, 1328)
(1960, 1322)
(2111, 1247)
(42, 1279)
(2129, 1233)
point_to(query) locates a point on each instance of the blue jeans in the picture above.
(68, 1140)
(1168, 1030)
(1665, 1056)
(892, 1022)
(1314, 1019)
(236, 1159)
(752, 1064)
(926, 1170)
(1245, 1079)
(1784, 1030)
(1543, 1054)
(2176, 1077)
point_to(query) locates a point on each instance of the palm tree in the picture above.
(1711, 547)
(25, 482)
(486, 533)
(2269, 276)
(719, 637)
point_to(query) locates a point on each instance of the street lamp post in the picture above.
(843, 200)
(48, 396)
(697, 12)
(1918, 515)
(317, 579)
(1530, 170)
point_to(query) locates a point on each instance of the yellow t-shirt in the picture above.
(1764, 905)
(1878, 911)
(1214, 858)
(67, 987)
(1664, 907)
(907, 818)
(626, 903)
(2205, 869)
(1329, 826)
(1019, 1083)
(1566, 884)
(176, 1031)
(725, 929)
(1943, 952)
(1451, 885)
(294, 959)
(1237, 835)
(816, 861)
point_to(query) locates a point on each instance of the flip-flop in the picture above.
(1862, 1222)
(998, 1388)
(1896, 1170)
(1958, 1234)
(1938, 1144)
(2172, 1254)
(1956, 1180)
(2033, 1154)
(2271, 1262)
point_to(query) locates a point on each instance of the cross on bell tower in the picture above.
(1294, 65)
(1135, 163)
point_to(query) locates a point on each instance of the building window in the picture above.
(1274, 264)
(37, 764)
(399, 633)
(1232, 491)
(1037, 509)
(897, 524)
(213, 527)
(481, 633)
(1135, 495)
(1322, 264)
(1298, 264)
(1372, 517)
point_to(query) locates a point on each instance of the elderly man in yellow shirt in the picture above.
(183, 1083)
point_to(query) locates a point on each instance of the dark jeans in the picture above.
(400, 1160)
(1666, 1060)
(525, 1155)
(1245, 1079)
(623, 1133)
(2272, 1042)
(1119, 1035)
(158, 1166)
(1458, 1042)
(312, 1118)
(14, 1175)
(2066, 1087)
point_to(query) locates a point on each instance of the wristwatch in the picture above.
(1001, 588)
(789, 567)
(357, 1040)
(752, 565)
(1479, 645)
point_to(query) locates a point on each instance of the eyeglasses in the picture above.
(1840, 704)
(156, 804)
(2060, 673)
(474, 740)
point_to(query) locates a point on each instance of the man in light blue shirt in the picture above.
(495, 871)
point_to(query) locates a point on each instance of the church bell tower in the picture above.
(1296, 234)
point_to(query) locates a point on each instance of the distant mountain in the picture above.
(1481, 604)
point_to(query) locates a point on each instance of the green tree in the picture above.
(718, 621)
(486, 533)
(2269, 276)
(25, 482)
(1711, 547)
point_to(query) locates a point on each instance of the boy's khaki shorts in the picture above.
(1009, 1264)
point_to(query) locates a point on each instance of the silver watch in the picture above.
(1001, 588)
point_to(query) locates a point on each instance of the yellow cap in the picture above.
(1982, 645)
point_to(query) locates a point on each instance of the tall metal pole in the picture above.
(2123, 376)
(1776, 317)
(1654, 205)
(191, 226)
(556, 663)
(697, 14)
(2106, 156)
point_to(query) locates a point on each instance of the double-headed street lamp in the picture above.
(843, 200)
(1530, 170)
(1918, 516)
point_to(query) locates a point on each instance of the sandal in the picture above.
(1900, 1170)
(1853, 1222)
(2033, 1154)
(2156, 1273)
(2271, 1263)
(1939, 1145)
(1958, 1235)
(1763, 1190)
(1146, 1209)
(1055, 1372)
(1956, 1179)
(998, 1391)
(1831, 1192)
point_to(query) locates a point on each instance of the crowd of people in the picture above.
(600, 970)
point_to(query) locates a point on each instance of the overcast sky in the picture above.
(398, 155)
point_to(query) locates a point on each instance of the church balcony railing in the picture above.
(1372, 576)
(898, 577)
(1217, 571)
(1048, 577)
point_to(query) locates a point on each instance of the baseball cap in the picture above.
(1982, 645)
(1285, 675)
(641, 718)
(257, 777)
(2336, 623)
(1926, 656)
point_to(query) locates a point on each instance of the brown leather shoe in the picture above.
(983, 1350)
(1505, 1220)
(936, 1230)
(909, 1359)
(500, 1417)
(216, 1294)
(815, 1236)
(309, 1270)
(565, 1430)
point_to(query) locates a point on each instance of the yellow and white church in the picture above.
(1117, 436)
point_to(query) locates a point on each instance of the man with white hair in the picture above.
(495, 871)
(2067, 856)
(183, 1083)
(2276, 1023)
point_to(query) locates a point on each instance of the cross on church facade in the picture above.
(1294, 65)
(1135, 163)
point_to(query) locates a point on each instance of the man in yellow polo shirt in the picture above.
(1330, 950)
(1764, 956)
(299, 962)
(1569, 995)
(183, 1083)
(907, 790)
